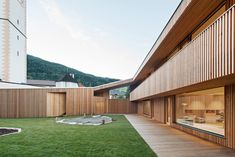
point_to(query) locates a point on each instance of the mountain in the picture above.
(39, 69)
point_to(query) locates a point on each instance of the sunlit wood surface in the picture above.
(169, 142)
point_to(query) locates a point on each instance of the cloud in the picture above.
(56, 16)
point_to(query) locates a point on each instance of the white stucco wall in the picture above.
(18, 12)
(17, 56)
(1, 48)
(13, 40)
(14, 10)
(66, 84)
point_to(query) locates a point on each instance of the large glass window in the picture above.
(203, 110)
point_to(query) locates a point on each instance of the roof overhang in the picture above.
(185, 19)
(114, 85)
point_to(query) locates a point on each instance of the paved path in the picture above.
(169, 142)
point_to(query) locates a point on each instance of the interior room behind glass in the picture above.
(203, 110)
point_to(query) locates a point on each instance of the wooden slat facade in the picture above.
(208, 56)
(46, 102)
(230, 116)
(164, 112)
(140, 108)
(207, 61)
(159, 110)
(56, 104)
(147, 110)
(100, 105)
(188, 16)
(119, 106)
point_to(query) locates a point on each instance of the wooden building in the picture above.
(51, 102)
(187, 79)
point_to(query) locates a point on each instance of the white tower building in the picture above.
(13, 41)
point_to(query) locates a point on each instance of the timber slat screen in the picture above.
(46, 102)
(210, 55)
(119, 106)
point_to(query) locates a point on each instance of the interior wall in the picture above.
(196, 105)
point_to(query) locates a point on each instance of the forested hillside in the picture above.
(39, 69)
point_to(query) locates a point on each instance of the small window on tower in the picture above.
(18, 21)
(18, 38)
(18, 53)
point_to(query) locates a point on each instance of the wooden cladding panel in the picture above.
(159, 110)
(43, 102)
(119, 106)
(79, 101)
(56, 104)
(33, 102)
(147, 108)
(100, 105)
(230, 116)
(210, 55)
(140, 108)
(170, 109)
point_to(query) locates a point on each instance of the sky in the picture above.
(107, 38)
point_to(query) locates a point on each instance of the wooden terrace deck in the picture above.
(169, 142)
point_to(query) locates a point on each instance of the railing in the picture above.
(208, 56)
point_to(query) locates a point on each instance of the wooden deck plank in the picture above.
(169, 142)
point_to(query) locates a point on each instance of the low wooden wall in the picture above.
(56, 104)
(120, 106)
(16, 103)
(44, 102)
(101, 104)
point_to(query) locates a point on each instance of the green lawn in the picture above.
(43, 137)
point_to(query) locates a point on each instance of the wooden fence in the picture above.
(119, 106)
(46, 102)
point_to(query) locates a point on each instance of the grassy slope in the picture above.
(43, 137)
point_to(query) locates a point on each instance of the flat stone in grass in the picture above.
(93, 120)
(6, 131)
